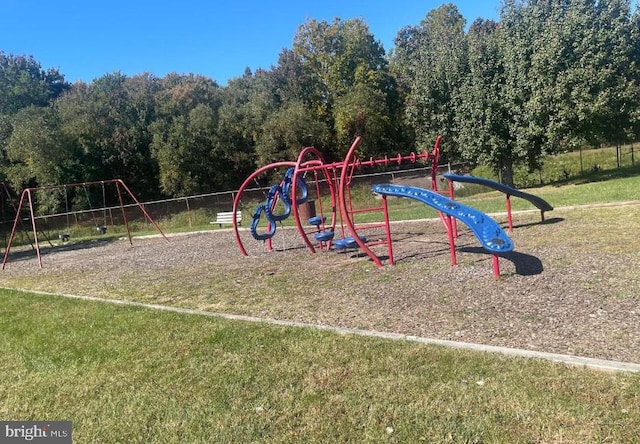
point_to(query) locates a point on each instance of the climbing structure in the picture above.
(337, 228)
(332, 227)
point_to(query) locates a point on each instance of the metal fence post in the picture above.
(186, 201)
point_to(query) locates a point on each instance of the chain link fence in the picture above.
(199, 210)
(189, 211)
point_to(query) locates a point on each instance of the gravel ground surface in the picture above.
(571, 286)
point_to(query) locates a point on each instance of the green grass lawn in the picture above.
(127, 374)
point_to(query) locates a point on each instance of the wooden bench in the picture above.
(226, 217)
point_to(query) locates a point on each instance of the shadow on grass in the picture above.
(600, 176)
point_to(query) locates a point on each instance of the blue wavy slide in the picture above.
(489, 233)
(539, 202)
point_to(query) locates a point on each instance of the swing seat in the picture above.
(348, 242)
(323, 236)
(64, 237)
(316, 220)
(101, 229)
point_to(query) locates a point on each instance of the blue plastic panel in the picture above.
(489, 233)
(535, 200)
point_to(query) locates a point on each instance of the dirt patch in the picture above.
(571, 286)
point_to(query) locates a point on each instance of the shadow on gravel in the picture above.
(46, 249)
(526, 265)
(553, 220)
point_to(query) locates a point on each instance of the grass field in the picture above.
(125, 374)
(133, 374)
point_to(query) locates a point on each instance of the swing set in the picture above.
(8, 202)
(27, 204)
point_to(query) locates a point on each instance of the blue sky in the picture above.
(219, 39)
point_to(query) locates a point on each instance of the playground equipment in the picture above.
(8, 210)
(539, 202)
(27, 202)
(340, 219)
(491, 236)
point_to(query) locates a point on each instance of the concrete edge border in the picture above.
(571, 360)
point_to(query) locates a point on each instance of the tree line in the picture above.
(548, 76)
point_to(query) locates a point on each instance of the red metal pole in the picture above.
(151, 221)
(455, 221)
(510, 221)
(343, 192)
(496, 266)
(300, 165)
(35, 230)
(387, 227)
(243, 187)
(13, 230)
(124, 214)
(435, 159)
(452, 245)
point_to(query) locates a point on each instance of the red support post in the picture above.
(387, 227)
(35, 230)
(452, 245)
(455, 221)
(496, 266)
(124, 214)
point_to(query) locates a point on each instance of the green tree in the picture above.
(570, 76)
(340, 61)
(286, 132)
(184, 135)
(616, 93)
(23, 83)
(363, 111)
(482, 119)
(247, 103)
(36, 152)
(107, 122)
(430, 63)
